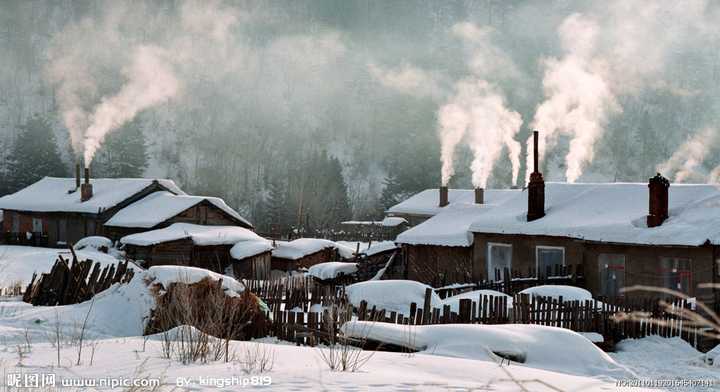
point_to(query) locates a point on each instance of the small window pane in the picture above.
(500, 257)
(549, 257)
(612, 274)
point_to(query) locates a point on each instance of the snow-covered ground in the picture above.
(454, 358)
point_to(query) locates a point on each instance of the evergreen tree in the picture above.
(123, 153)
(33, 156)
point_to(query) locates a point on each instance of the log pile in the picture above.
(74, 281)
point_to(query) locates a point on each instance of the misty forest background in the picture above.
(290, 123)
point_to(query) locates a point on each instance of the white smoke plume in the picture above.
(453, 121)
(408, 79)
(481, 113)
(150, 81)
(578, 97)
(685, 164)
(478, 110)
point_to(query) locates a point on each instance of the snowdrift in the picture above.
(475, 296)
(391, 295)
(331, 270)
(537, 346)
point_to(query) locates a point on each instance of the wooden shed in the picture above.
(189, 245)
(306, 252)
(252, 259)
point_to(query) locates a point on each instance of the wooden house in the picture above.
(61, 211)
(188, 244)
(439, 251)
(306, 252)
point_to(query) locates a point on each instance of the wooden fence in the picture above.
(305, 312)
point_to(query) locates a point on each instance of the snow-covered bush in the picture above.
(99, 243)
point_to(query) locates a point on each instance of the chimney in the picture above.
(77, 176)
(658, 206)
(443, 196)
(479, 195)
(86, 190)
(536, 187)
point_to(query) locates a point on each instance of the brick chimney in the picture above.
(86, 189)
(479, 195)
(443, 196)
(77, 176)
(536, 187)
(658, 195)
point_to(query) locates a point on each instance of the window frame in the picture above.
(537, 255)
(490, 245)
(666, 274)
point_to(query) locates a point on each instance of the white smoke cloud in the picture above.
(408, 79)
(480, 112)
(685, 164)
(150, 81)
(151, 72)
(578, 101)
(478, 109)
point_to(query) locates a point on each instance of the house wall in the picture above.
(438, 265)
(182, 252)
(642, 263)
(61, 228)
(523, 251)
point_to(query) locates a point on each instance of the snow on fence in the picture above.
(307, 313)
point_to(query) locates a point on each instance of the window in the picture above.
(37, 226)
(499, 258)
(15, 222)
(676, 273)
(549, 257)
(612, 274)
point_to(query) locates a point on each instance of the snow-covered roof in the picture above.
(53, 194)
(158, 207)
(331, 270)
(302, 247)
(611, 212)
(245, 249)
(379, 247)
(451, 227)
(393, 221)
(200, 235)
(425, 203)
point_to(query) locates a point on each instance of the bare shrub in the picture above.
(216, 318)
(257, 358)
(342, 353)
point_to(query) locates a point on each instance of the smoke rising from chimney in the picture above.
(685, 164)
(150, 81)
(578, 97)
(477, 111)
(155, 73)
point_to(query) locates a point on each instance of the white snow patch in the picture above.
(568, 293)
(331, 270)
(245, 249)
(542, 347)
(95, 242)
(391, 295)
(168, 274)
(199, 234)
(302, 247)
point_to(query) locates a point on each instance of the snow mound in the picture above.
(331, 270)
(537, 346)
(391, 295)
(95, 242)
(476, 296)
(569, 293)
(168, 274)
(712, 357)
